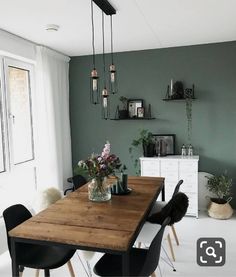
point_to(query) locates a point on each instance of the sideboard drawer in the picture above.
(169, 189)
(188, 166)
(188, 187)
(190, 181)
(169, 166)
(170, 176)
(150, 168)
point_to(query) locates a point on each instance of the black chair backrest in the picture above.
(78, 181)
(176, 209)
(153, 254)
(13, 216)
(177, 187)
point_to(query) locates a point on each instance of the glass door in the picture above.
(20, 132)
(2, 134)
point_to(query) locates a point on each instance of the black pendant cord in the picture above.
(103, 51)
(93, 41)
(112, 60)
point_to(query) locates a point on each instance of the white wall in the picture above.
(16, 47)
(203, 193)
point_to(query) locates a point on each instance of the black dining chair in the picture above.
(142, 262)
(32, 255)
(77, 182)
(176, 209)
(160, 205)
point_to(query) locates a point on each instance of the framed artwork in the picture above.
(140, 112)
(164, 144)
(133, 105)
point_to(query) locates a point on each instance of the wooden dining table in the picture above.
(77, 223)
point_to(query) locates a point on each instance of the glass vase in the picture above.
(99, 190)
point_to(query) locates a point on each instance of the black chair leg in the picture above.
(46, 273)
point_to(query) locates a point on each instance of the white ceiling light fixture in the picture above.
(52, 27)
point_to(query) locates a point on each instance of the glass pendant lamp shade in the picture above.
(113, 79)
(105, 93)
(112, 68)
(105, 104)
(94, 78)
(94, 87)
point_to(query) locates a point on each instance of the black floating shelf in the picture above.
(135, 118)
(181, 99)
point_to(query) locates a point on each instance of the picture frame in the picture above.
(140, 112)
(168, 140)
(133, 105)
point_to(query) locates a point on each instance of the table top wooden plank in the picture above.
(75, 220)
(74, 235)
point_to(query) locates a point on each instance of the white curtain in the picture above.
(53, 143)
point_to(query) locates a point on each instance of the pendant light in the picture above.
(112, 68)
(105, 93)
(94, 78)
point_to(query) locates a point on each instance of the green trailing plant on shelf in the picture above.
(145, 141)
(188, 105)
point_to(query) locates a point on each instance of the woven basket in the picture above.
(220, 211)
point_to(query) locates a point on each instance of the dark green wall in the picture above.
(146, 74)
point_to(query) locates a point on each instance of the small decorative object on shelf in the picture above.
(123, 113)
(133, 109)
(183, 150)
(98, 168)
(140, 112)
(176, 91)
(190, 150)
(133, 105)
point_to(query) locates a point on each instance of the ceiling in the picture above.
(138, 24)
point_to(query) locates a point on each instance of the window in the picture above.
(17, 142)
(20, 114)
(2, 148)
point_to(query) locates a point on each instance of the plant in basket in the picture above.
(220, 186)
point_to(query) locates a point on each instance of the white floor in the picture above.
(189, 230)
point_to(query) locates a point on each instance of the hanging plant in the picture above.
(188, 104)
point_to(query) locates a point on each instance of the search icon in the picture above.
(210, 251)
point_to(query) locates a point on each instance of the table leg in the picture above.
(15, 266)
(125, 264)
(163, 194)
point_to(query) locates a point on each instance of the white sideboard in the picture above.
(173, 169)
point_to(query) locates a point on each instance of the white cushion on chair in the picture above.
(158, 206)
(88, 255)
(149, 231)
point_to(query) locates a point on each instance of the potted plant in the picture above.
(219, 206)
(123, 113)
(145, 140)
